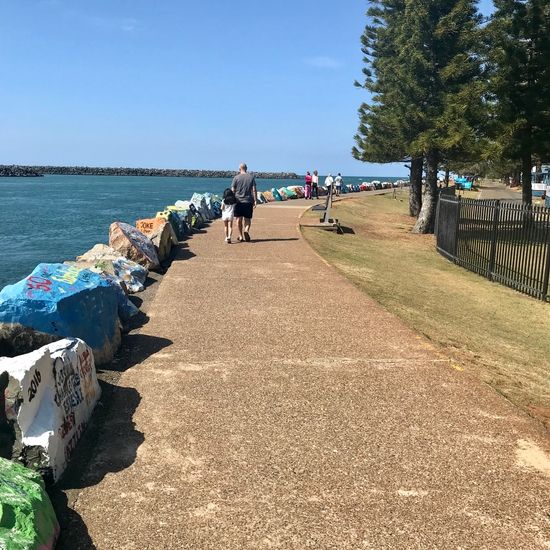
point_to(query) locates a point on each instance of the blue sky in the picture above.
(183, 84)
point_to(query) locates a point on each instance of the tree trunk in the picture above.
(447, 171)
(526, 189)
(415, 193)
(426, 219)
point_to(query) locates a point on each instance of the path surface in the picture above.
(499, 191)
(285, 409)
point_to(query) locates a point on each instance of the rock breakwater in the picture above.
(121, 171)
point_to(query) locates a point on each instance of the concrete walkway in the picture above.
(499, 191)
(283, 408)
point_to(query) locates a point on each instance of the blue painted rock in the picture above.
(133, 244)
(63, 300)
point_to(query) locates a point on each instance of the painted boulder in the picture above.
(49, 398)
(197, 219)
(163, 237)
(108, 260)
(27, 517)
(63, 300)
(199, 201)
(214, 204)
(130, 273)
(276, 194)
(180, 220)
(133, 244)
(283, 193)
(147, 226)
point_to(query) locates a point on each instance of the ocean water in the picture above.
(56, 218)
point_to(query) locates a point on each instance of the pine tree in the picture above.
(519, 34)
(386, 128)
(423, 67)
(440, 54)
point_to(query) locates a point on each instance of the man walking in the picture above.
(244, 187)
(338, 184)
(329, 183)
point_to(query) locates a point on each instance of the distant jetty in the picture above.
(15, 171)
(161, 172)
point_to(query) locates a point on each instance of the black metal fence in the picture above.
(506, 242)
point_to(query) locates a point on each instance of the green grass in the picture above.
(498, 334)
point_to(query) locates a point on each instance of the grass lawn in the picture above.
(491, 331)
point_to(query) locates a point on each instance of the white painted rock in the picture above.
(51, 395)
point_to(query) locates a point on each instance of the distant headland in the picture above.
(35, 171)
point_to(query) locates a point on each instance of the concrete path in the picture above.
(283, 408)
(499, 191)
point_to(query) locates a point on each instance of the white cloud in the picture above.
(126, 24)
(323, 62)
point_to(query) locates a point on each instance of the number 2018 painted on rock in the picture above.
(33, 386)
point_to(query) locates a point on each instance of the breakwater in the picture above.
(14, 170)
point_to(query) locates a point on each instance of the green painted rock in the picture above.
(27, 519)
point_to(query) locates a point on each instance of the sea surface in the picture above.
(56, 218)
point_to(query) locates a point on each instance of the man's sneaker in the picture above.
(228, 240)
(246, 237)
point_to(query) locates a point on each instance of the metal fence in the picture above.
(506, 242)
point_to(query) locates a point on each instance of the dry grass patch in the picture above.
(499, 334)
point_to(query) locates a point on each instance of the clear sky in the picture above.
(183, 84)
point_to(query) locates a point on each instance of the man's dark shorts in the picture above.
(244, 210)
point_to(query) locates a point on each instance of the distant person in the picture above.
(228, 213)
(338, 184)
(308, 185)
(329, 182)
(315, 184)
(244, 187)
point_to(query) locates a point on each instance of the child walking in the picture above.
(228, 213)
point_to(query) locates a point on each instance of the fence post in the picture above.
(545, 289)
(436, 228)
(457, 225)
(492, 255)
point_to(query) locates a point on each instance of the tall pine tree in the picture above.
(519, 34)
(386, 127)
(423, 67)
(440, 55)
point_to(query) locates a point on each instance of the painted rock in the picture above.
(63, 300)
(105, 259)
(163, 237)
(147, 226)
(28, 519)
(50, 395)
(133, 244)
